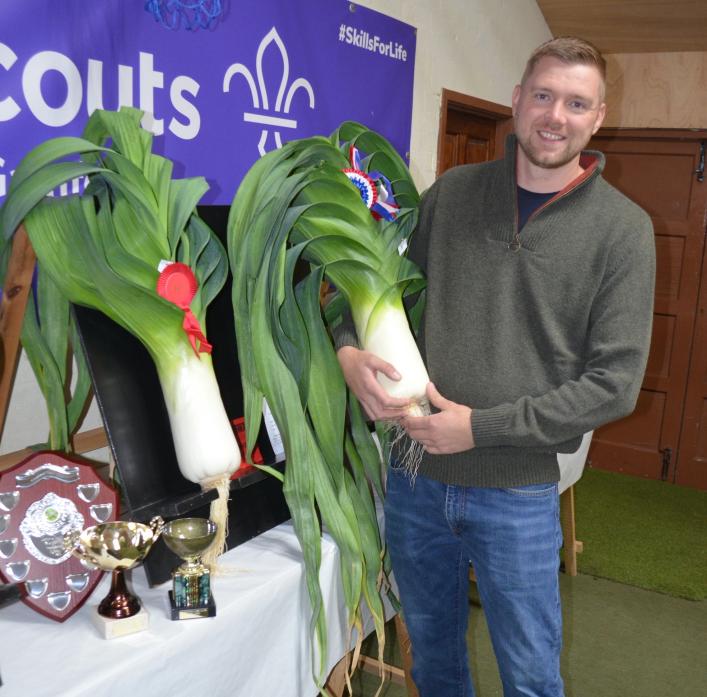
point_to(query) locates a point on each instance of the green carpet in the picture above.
(619, 641)
(643, 533)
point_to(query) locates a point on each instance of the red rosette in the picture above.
(177, 283)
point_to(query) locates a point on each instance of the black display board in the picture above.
(130, 400)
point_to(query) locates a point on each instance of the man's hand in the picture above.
(445, 432)
(360, 369)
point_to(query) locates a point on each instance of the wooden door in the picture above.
(691, 465)
(471, 130)
(657, 169)
(469, 138)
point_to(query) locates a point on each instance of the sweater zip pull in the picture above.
(515, 245)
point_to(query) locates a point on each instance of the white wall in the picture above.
(27, 422)
(478, 47)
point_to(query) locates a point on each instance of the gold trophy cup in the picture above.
(117, 547)
(190, 596)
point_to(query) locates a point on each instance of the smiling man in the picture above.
(536, 330)
(557, 108)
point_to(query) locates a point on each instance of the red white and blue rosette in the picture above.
(375, 188)
(365, 185)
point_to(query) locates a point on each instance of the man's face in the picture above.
(557, 110)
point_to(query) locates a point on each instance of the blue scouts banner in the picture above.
(221, 81)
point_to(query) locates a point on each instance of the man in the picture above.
(536, 330)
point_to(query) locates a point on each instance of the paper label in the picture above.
(273, 433)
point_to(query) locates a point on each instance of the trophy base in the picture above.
(110, 628)
(191, 613)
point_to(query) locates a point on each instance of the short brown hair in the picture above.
(568, 49)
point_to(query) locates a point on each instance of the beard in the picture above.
(553, 160)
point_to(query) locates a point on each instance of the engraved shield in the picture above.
(42, 499)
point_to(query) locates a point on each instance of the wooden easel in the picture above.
(12, 311)
(572, 546)
(336, 684)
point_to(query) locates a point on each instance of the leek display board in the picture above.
(216, 99)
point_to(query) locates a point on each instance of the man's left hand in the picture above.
(445, 432)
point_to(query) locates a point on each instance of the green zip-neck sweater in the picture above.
(543, 332)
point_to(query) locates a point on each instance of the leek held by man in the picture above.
(536, 330)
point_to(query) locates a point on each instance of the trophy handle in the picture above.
(156, 525)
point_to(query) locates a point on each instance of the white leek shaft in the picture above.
(203, 437)
(389, 337)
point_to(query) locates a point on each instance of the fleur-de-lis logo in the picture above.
(259, 93)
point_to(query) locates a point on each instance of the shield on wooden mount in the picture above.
(43, 498)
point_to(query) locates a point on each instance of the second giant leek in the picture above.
(297, 218)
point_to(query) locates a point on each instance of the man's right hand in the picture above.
(360, 369)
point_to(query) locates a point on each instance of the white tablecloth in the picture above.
(258, 643)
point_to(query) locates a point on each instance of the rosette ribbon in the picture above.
(178, 284)
(376, 189)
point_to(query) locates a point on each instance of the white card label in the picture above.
(273, 433)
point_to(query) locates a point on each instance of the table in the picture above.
(258, 644)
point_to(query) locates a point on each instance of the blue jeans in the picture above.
(512, 537)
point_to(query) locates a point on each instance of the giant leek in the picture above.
(296, 219)
(133, 247)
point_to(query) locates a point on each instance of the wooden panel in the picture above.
(449, 152)
(634, 461)
(478, 151)
(468, 138)
(670, 254)
(657, 90)
(462, 148)
(657, 171)
(662, 197)
(632, 445)
(458, 121)
(642, 429)
(630, 25)
(701, 450)
(661, 353)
